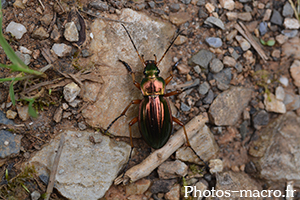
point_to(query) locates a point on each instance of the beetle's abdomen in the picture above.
(155, 120)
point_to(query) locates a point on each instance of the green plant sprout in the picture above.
(16, 66)
(14, 184)
(268, 43)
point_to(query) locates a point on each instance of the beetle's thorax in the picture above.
(152, 84)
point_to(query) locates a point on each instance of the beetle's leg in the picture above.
(131, 123)
(132, 74)
(172, 93)
(138, 101)
(187, 139)
(167, 80)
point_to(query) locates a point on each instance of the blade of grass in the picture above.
(32, 112)
(12, 93)
(10, 52)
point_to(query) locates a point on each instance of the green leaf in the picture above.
(6, 175)
(271, 43)
(25, 188)
(32, 112)
(12, 93)
(262, 42)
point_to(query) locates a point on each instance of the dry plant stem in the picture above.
(104, 18)
(159, 156)
(243, 30)
(54, 167)
(42, 4)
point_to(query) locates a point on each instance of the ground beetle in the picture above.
(155, 117)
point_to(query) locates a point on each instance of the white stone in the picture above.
(227, 4)
(61, 50)
(273, 105)
(279, 93)
(284, 81)
(231, 16)
(88, 169)
(291, 23)
(16, 29)
(215, 166)
(71, 91)
(24, 50)
(71, 33)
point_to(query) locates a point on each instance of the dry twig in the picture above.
(244, 31)
(54, 167)
(159, 156)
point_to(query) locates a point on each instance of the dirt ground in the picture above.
(45, 128)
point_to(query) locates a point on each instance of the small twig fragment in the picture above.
(243, 30)
(54, 167)
(159, 156)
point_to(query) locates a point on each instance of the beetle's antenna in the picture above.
(169, 47)
(141, 57)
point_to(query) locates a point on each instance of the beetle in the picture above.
(155, 118)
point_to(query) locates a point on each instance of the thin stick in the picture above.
(54, 167)
(243, 30)
(42, 4)
(159, 156)
(105, 18)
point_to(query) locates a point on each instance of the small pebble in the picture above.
(229, 61)
(210, 7)
(71, 33)
(280, 93)
(24, 57)
(183, 69)
(82, 126)
(16, 29)
(260, 118)
(227, 4)
(99, 5)
(35, 195)
(11, 114)
(24, 50)
(65, 106)
(245, 16)
(291, 23)
(281, 39)
(62, 49)
(71, 91)
(215, 166)
(263, 28)
(276, 18)
(231, 35)
(203, 88)
(174, 7)
(289, 33)
(216, 65)
(40, 34)
(184, 107)
(209, 97)
(214, 42)
(267, 15)
(287, 10)
(215, 21)
(245, 45)
(197, 69)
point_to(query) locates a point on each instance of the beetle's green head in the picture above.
(151, 68)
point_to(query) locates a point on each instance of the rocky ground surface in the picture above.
(238, 69)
